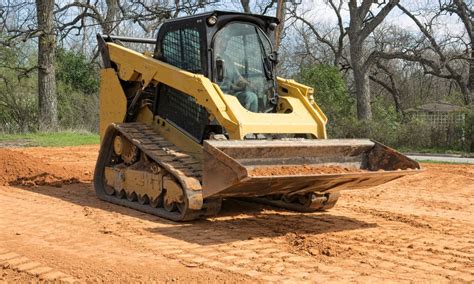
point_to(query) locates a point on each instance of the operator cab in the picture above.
(232, 49)
(243, 68)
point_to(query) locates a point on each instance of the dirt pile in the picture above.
(301, 170)
(17, 168)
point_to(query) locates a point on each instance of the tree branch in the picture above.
(370, 26)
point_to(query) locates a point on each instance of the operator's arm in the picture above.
(238, 82)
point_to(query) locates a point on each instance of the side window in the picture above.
(182, 48)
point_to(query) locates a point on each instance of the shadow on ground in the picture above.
(238, 220)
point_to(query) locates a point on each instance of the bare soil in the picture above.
(415, 229)
(302, 170)
(19, 168)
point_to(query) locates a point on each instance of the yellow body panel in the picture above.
(112, 100)
(306, 117)
(138, 181)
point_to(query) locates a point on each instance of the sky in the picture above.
(318, 11)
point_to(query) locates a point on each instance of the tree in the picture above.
(47, 98)
(333, 40)
(245, 5)
(330, 90)
(391, 86)
(18, 102)
(362, 23)
(281, 15)
(440, 57)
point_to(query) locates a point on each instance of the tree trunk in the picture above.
(361, 81)
(362, 86)
(466, 93)
(470, 83)
(397, 101)
(111, 17)
(245, 5)
(280, 14)
(47, 98)
(362, 23)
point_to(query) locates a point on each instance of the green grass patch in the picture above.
(51, 139)
(441, 162)
(436, 151)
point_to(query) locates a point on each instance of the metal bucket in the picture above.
(229, 166)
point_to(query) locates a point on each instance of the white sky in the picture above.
(318, 11)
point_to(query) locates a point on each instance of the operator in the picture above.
(234, 83)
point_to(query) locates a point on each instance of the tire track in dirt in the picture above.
(265, 254)
(85, 248)
(38, 271)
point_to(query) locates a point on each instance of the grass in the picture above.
(435, 151)
(441, 162)
(52, 139)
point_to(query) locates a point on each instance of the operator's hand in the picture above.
(242, 83)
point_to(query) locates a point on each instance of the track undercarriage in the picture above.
(140, 169)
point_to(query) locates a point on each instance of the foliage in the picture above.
(74, 70)
(387, 126)
(17, 90)
(77, 87)
(76, 110)
(330, 93)
(469, 130)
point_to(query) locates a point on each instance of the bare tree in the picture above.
(362, 23)
(391, 86)
(108, 20)
(445, 62)
(281, 15)
(447, 57)
(47, 98)
(331, 39)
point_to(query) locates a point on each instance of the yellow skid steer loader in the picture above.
(205, 118)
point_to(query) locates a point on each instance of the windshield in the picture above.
(242, 50)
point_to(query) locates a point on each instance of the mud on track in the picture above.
(419, 228)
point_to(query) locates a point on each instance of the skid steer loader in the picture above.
(205, 118)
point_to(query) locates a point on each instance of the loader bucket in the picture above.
(252, 168)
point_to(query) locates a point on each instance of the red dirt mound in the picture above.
(301, 170)
(18, 168)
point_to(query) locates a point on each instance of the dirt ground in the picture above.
(52, 227)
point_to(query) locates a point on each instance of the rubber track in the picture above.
(182, 166)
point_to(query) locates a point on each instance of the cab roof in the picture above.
(218, 13)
